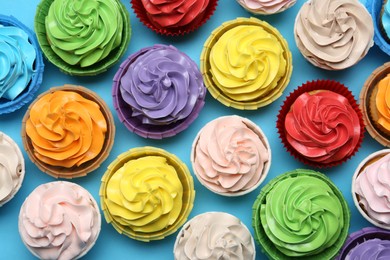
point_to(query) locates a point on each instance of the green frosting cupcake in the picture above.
(301, 214)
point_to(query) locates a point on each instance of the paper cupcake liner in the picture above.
(208, 77)
(134, 124)
(183, 174)
(361, 236)
(255, 128)
(262, 12)
(261, 237)
(8, 106)
(143, 17)
(75, 70)
(367, 161)
(374, 7)
(376, 76)
(312, 86)
(87, 167)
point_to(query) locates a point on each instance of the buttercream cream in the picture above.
(302, 215)
(145, 194)
(333, 34)
(66, 129)
(322, 126)
(17, 57)
(84, 32)
(230, 155)
(373, 190)
(11, 168)
(162, 85)
(214, 235)
(382, 101)
(266, 6)
(385, 18)
(373, 249)
(59, 220)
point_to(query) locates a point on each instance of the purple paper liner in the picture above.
(135, 125)
(8, 106)
(374, 7)
(359, 237)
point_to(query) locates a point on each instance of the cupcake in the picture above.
(174, 17)
(68, 131)
(300, 214)
(231, 156)
(370, 189)
(321, 124)
(373, 103)
(333, 34)
(82, 37)
(266, 7)
(158, 92)
(385, 20)
(59, 220)
(21, 64)
(234, 68)
(379, 10)
(214, 235)
(147, 193)
(11, 168)
(367, 243)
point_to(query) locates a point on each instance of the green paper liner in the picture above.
(75, 70)
(372, 128)
(87, 167)
(268, 247)
(208, 76)
(183, 174)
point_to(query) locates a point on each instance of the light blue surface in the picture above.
(112, 245)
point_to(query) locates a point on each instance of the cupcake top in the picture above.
(333, 34)
(11, 168)
(59, 220)
(381, 103)
(266, 6)
(246, 63)
(231, 156)
(214, 235)
(370, 249)
(385, 18)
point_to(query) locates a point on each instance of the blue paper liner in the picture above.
(374, 7)
(8, 106)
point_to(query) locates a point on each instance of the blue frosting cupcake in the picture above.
(380, 17)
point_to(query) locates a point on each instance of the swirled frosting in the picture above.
(382, 101)
(266, 6)
(214, 235)
(322, 126)
(175, 13)
(373, 190)
(230, 155)
(84, 32)
(11, 168)
(302, 216)
(17, 56)
(385, 18)
(145, 195)
(66, 129)
(373, 249)
(59, 220)
(246, 63)
(162, 85)
(334, 34)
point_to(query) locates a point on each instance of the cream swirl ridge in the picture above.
(230, 155)
(373, 249)
(59, 220)
(266, 6)
(214, 235)
(84, 32)
(334, 34)
(372, 188)
(322, 126)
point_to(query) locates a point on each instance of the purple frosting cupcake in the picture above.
(158, 92)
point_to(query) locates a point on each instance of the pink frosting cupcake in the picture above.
(266, 7)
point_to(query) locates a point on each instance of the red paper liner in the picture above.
(311, 86)
(141, 13)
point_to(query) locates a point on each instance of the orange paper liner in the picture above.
(141, 13)
(87, 167)
(311, 86)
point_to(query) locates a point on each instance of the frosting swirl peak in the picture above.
(266, 6)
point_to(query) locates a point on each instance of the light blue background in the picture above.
(115, 246)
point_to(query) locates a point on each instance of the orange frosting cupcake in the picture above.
(380, 105)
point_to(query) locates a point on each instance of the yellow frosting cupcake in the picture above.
(246, 63)
(147, 193)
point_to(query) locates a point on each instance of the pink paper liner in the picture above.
(311, 86)
(143, 17)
